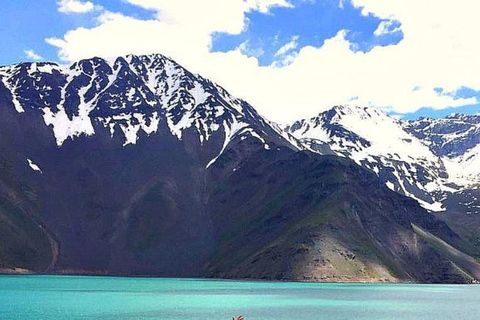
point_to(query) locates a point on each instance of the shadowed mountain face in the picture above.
(138, 167)
(300, 216)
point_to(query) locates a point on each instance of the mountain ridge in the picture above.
(161, 88)
(135, 166)
(443, 177)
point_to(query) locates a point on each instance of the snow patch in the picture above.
(129, 129)
(230, 131)
(64, 128)
(48, 68)
(464, 169)
(390, 185)
(34, 166)
(199, 94)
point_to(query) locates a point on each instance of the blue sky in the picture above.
(311, 22)
(280, 55)
(429, 112)
(27, 23)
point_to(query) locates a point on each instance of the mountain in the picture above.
(135, 166)
(456, 139)
(434, 161)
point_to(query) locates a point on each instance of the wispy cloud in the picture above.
(286, 54)
(32, 55)
(292, 45)
(387, 27)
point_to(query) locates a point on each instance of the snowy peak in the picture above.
(379, 143)
(357, 129)
(430, 160)
(128, 95)
(320, 131)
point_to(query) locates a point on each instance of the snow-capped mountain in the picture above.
(428, 160)
(130, 96)
(102, 157)
(136, 166)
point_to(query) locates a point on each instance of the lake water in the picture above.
(62, 297)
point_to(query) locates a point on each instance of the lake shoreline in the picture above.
(23, 272)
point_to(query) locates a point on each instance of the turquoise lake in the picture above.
(65, 297)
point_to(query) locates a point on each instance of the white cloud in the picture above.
(75, 6)
(289, 46)
(183, 29)
(208, 15)
(32, 55)
(120, 35)
(438, 50)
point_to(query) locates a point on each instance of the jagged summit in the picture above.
(128, 95)
(378, 142)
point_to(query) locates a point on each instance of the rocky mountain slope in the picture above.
(135, 166)
(434, 161)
